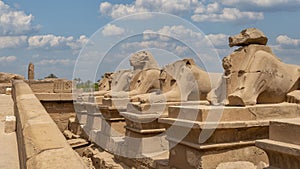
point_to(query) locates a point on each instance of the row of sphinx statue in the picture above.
(253, 74)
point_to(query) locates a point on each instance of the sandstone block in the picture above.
(247, 37)
(10, 124)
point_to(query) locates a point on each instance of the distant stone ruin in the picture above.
(31, 71)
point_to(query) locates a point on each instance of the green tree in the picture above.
(51, 76)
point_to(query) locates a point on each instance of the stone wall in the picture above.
(60, 112)
(41, 144)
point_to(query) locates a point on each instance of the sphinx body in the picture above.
(119, 81)
(253, 74)
(180, 81)
(105, 83)
(146, 81)
(264, 79)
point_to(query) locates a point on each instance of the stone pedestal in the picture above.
(112, 107)
(111, 136)
(81, 112)
(204, 136)
(143, 129)
(99, 99)
(94, 117)
(142, 133)
(283, 145)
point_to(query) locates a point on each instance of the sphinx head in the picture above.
(247, 37)
(143, 60)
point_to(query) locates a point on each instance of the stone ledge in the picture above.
(212, 125)
(146, 131)
(236, 113)
(285, 130)
(277, 146)
(41, 144)
(212, 146)
(54, 96)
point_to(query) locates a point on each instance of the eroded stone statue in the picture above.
(122, 79)
(9, 77)
(146, 81)
(105, 83)
(253, 74)
(181, 81)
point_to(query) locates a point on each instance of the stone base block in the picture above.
(215, 133)
(285, 130)
(115, 103)
(183, 156)
(93, 121)
(99, 99)
(82, 117)
(111, 113)
(145, 146)
(142, 122)
(257, 112)
(10, 124)
(158, 108)
(113, 129)
(283, 145)
(113, 144)
(281, 155)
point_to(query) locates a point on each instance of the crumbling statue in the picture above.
(253, 74)
(123, 79)
(181, 81)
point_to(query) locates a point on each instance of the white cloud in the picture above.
(51, 41)
(263, 5)
(119, 10)
(13, 22)
(48, 41)
(228, 14)
(285, 41)
(79, 43)
(218, 40)
(12, 41)
(56, 61)
(7, 59)
(112, 30)
(200, 10)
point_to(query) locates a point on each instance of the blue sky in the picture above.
(51, 34)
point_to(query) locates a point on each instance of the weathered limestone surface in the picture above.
(42, 145)
(247, 37)
(253, 74)
(9, 155)
(10, 124)
(180, 81)
(121, 80)
(283, 145)
(248, 113)
(105, 83)
(6, 81)
(9, 77)
(293, 97)
(51, 85)
(217, 134)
